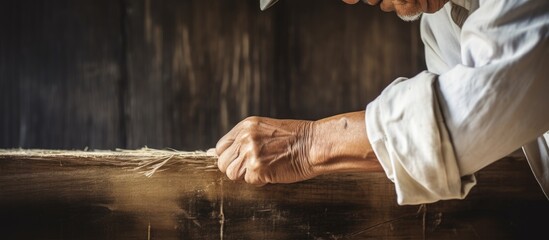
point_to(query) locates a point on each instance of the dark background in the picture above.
(109, 74)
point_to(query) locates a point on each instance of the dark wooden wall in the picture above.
(129, 73)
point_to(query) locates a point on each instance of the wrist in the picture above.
(340, 144)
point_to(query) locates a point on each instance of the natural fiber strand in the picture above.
(147, 161)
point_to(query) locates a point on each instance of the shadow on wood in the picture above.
(91, 198)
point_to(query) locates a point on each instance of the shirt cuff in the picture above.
(408, 135)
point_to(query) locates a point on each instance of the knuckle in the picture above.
(218, 146)
(254, 164)
(252, 179)
(252, 139)
(233, 172)
(252, 119)
(251, 122)
(248, 177)
(221, 165)
(246, 136)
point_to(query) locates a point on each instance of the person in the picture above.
(483, 96)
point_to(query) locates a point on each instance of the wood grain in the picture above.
(341, 56)
(71, 199)
(59, 73)
(180, 74)
(195, 69)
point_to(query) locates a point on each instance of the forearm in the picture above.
(340, 144)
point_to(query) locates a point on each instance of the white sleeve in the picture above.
(431, 132)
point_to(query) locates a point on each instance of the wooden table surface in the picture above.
(87, 200)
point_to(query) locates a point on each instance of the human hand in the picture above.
(264, 150)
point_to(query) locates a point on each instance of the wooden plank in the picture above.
(59, 74)
(93, 198)
(195, 69)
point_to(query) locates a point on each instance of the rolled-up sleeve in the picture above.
(408, 135)
(433, 131)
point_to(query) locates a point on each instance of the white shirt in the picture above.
(485, 94)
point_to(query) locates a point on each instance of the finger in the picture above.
(387, 6)
(211, 152)
(253, 179)
(228, 139)
(223, 143)
(229, 155)
(235, 170)
(372, 2)
(351, 1)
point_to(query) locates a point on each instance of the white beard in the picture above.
(410, 18)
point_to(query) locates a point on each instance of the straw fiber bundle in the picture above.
(145, 160)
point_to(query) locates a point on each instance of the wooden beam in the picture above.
(113, 195)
